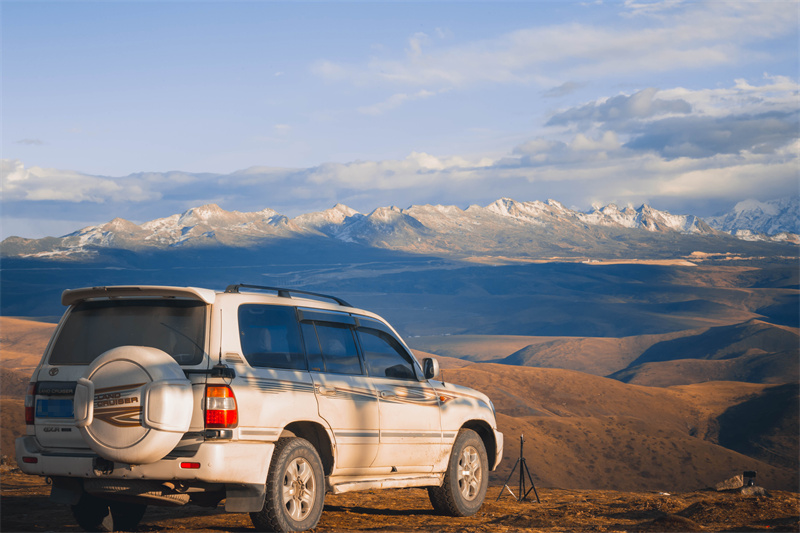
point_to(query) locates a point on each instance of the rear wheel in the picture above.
(96, 514)
(295, 488)
(466, 479)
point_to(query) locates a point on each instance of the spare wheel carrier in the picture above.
(133, 404)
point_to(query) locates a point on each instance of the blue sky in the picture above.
(145, 109)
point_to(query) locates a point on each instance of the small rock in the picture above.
(736, 482)
(753, 490)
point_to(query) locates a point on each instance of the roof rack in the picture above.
(285, 293)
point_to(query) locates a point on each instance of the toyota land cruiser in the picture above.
(267, 398)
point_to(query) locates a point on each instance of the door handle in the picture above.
(387, 394)
(324, 391)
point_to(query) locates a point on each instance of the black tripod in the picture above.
(523, 469)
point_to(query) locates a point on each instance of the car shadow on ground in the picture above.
(385, 511)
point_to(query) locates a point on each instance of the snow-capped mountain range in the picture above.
(506, 227)
(752, 218)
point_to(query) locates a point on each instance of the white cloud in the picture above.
(40, 184)
(778, 93)
(608, 141)
(697, 36)
(394, 101)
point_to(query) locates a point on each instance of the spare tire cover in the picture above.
(138, 404)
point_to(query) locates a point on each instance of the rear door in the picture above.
(346, 397)
(89, 329)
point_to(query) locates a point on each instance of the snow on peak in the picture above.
(321, 220)
(752, 205)
(386, 214)
(770, 218)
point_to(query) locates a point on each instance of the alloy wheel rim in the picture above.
(470, 473)
(299, 487)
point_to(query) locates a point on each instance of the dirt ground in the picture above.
(25, 507)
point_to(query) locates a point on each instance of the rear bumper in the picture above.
(220, 462)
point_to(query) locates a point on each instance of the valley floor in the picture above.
(25, 507)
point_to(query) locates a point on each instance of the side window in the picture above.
(338, 348)
(270, 337)
(385, 357)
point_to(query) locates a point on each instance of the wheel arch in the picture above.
(317, 435)
(484, 431)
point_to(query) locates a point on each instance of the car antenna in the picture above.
(221, 328)
(221, 370)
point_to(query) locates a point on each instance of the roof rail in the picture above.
(285, 293)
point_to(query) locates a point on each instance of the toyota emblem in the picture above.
(54, 371)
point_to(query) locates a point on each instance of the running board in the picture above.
(433, 480)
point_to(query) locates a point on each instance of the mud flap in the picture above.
(244, 498)
(66, 490)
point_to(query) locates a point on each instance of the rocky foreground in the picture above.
(25, 507)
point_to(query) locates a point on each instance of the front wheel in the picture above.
(295, 488)
(466, 478)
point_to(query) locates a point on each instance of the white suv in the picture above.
(175, 395)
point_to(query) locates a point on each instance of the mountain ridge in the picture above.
(751, 217)
(506, 227)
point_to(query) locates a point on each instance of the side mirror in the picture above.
(430, 367)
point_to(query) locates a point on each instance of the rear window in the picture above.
(175, 326)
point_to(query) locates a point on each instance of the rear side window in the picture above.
(332, 348)
(174, 326)
(270, 337)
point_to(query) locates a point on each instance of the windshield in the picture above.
(174, 326)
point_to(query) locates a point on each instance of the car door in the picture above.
(346, 397)
(410, 432)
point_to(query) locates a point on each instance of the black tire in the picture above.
(92, 513)
(96, 514)
(295, 488)
(466, 479)
(126, 515)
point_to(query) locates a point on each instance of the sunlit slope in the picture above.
(754, 351)
(585, 431)
(23, 342)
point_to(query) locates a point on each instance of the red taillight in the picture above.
(221, 412)
(30, 404)
(191, 466)
(30, 460)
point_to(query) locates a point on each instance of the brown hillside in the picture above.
(600, 356)
(22, 342)
(585, 431)
(481, 348)
(753, 367)
(12, 418)
(444, 361)
(726, 342)
(754, 351)
(13, 383)
(765, 426)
